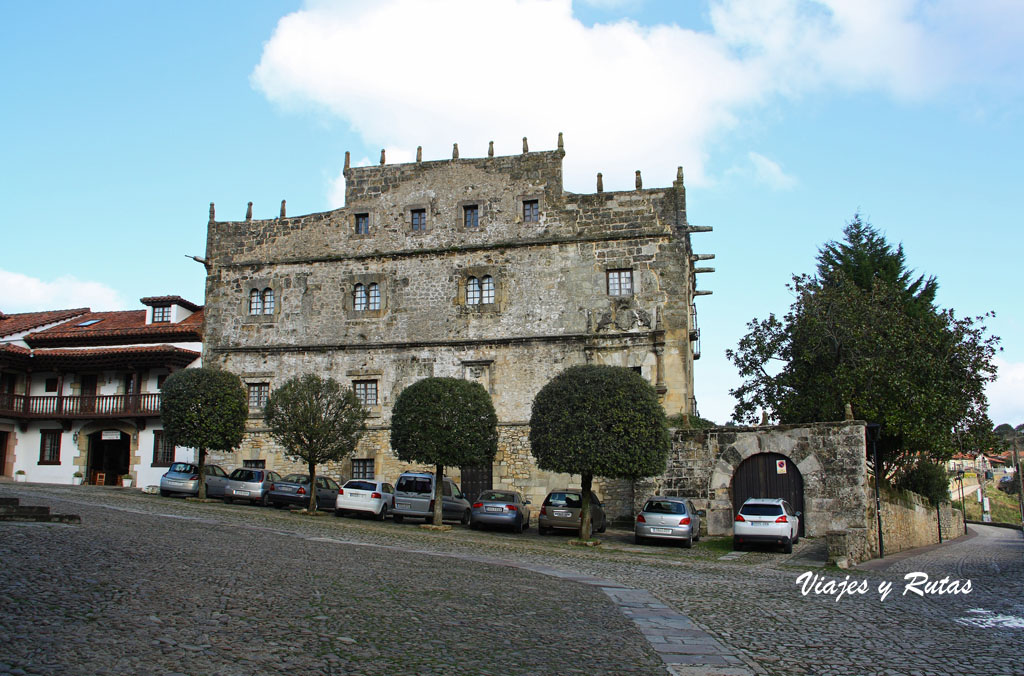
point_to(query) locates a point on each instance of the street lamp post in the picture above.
(963, 508)
(873, 431)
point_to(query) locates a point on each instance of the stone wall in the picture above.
(829, 456)
(908, 520)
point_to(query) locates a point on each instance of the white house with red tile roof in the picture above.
(80, 390)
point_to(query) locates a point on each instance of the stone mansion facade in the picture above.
(482, 268)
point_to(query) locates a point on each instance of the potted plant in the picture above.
(76, 478)
(126, 480)
(19, 475)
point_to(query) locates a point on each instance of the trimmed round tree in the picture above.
(205, 409)
(316, 420)
(444, 422)
(601, 421)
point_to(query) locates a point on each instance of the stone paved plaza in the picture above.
(150, 585)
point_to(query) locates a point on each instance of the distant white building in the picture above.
(80, 390)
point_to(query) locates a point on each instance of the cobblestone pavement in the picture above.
(155, 585)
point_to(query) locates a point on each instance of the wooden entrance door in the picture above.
(3, 453)
(89, 387)
(475, 480)
(768, 475)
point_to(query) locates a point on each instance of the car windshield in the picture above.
(183, 467)
(297, 479)
(414, 484)
(361, 485)
(665, 507)
(761, 509)
(498, 496)
(246, 475)
(564, 500)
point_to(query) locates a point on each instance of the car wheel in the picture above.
(467, 516)
(398, 518)
(165, 494)
(264, 501)
(738, 546)
(787, 546)
(796, 537)
(637, 539)
(227, 501)
(604, 526)
(518, 527)
(278, 505)
(526, 526)
(383, 513)
(688, 542)
(543, 530)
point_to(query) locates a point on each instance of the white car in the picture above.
(770, 520)
(365, 496)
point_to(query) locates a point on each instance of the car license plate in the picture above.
(402, 505)
(493, 509)
(662, 531)
(563, 513)
(761, 523)
(173, 482)
(245, 493)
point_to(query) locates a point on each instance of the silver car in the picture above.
(501, 508)
(250, 484)
(563, 509)
(294, 490)
(673, 519)
(766, 520)
(414, 497)
(182, 478)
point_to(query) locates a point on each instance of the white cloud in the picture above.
(404, 73)
(770, 173)
(1006, 394)
(21, 293)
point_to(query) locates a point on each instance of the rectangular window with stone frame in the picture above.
(163, 452)
(362, 224)
(531, 211)
(362, 468)
(49, 447)
(418, 220)
(620, 282)
(471, 216)
(258, 395)
(366, 391)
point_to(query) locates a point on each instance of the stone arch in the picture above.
(92, 430)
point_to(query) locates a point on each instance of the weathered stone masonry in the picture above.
(551, 307)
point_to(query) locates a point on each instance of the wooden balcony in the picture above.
(65, 407)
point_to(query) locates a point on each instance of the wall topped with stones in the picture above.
(830, 458)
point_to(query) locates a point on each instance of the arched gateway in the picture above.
(769, 475)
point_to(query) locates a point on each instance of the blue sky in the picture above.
(122, 121)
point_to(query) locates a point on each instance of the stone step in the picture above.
(42, 518)
(24, 510)
(9, 502)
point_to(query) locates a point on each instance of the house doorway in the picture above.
(768, 475)
(475, 480)
(109, 457)
(3, 454)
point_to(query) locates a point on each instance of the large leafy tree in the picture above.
(316, 420)
(204, 408)
(875, 342)
(601, 421)
(444, 422)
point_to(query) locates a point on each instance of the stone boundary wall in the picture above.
(831, 458)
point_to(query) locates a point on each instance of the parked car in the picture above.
(250, 484)
(770, 520)
(501, 508)
(365, 496)
(414, 498)
(182, 478)
(665, 518)
(294, 490)
(562, 509)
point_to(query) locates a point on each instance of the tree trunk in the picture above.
(588, 480)
(438, 495)
(312, 488)
(201, 492)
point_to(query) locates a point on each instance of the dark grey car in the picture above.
(562, 509)
(294, 490)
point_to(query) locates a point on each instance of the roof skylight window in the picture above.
(90, 322)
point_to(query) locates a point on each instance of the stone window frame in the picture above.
(261, 286)
(356, 215)
(520, 206)
(427, 218)
(258, 391)
(479, 272)
(482, 215)
(49, 453)
(364, 375)
(363, 468)
(616, 272)
(348, 287)
(161, 450)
